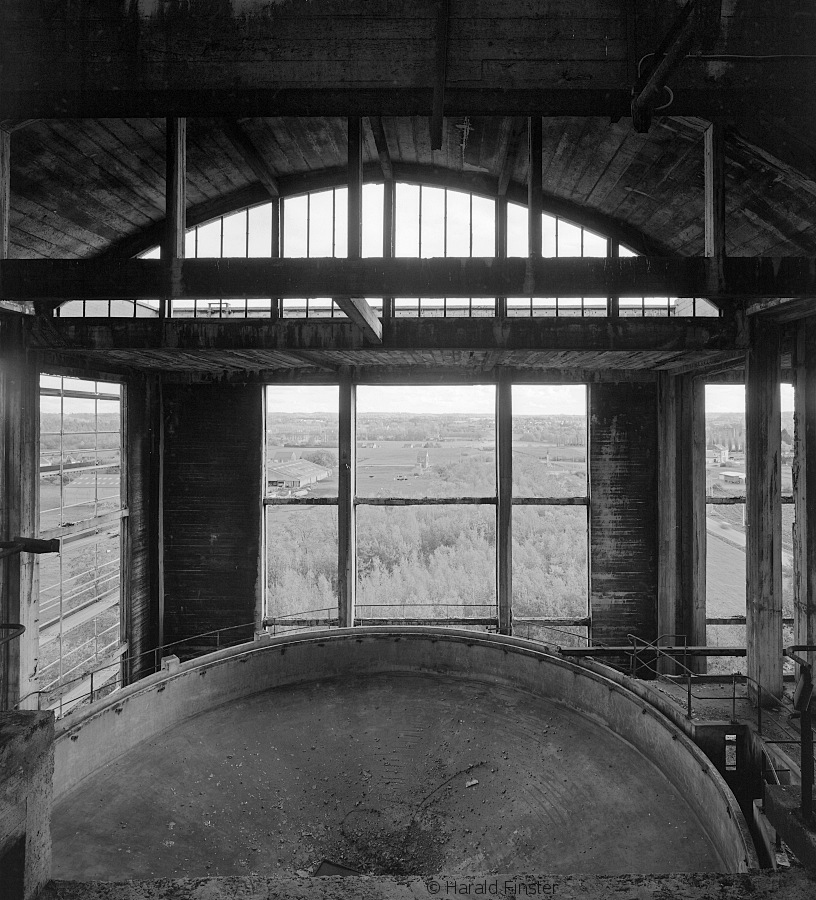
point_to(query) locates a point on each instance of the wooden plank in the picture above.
(804, 487)
(750, 278)
(77, 335)
(362, 315)
(440, 73)
(357, 308)
(375, 123)
(691, 609)
(534, 187)
(176, 208)
(250, 154)
(142, 427)
(650, 88)
(389, 236)
(355, 187)
(212, 514)
(714, 177)
(668, 563)
(19, 510)
(563, 98)
(763, 513)
(346, 491)
(504, 503)
(5, 191)
(623, 512)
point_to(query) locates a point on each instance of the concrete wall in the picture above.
(26, 767)
(88, 740)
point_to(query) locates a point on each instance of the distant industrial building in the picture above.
(296, 474)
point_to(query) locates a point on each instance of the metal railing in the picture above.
(14, 627)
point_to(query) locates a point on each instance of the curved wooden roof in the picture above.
(83, 188)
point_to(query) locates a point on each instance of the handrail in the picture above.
(15, 628)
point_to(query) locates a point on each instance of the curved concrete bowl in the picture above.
(94, 736)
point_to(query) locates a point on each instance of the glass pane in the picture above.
(260, 230)
(569, 239)
(725, 636)
(432, 225)
(341, 222)
(458, 224)
(301, 441)
(209, 239)
(301, 562)
(407, 220)
(548, 235)
(403, 450)
(788, 515)
(594, 244)
(295, 231)
(235, 234)
(550, 573)
(321, 218)
(516, 230)
(549, 441)
(372, 220)
(426, 562)
(484, 226)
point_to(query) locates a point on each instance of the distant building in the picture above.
(723, 451)
(731, 477)
(423, 460)
(295, 474)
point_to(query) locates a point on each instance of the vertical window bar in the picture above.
(470, 224)
(308, 230)
(419, 229)
(445, 223)
(334, 230)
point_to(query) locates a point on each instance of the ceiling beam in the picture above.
(650, 88)
(375, 123)
(517, 131)
(747, 278)
(357, 308)
(783, 309)
(363, 316)
(793, 99)
(440, 73)
(77, 335)
(245, 146)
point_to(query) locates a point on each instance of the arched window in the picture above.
(428, 221)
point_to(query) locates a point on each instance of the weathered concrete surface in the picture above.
(389, 775)
(91, 739)
(793, 885)
(782, 807)
(26, 768)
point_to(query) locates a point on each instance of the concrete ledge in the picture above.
(781, 808)
(794, 885)
(90, 738)
(26, 767)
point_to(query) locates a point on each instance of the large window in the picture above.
(301, 506)
(426, 507)
(426, 495)
(429, 221)
(81, 505)
(725, 518)
(550, 506)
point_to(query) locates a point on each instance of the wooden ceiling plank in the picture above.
(245, 146)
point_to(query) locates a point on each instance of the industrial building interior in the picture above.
(407, 426)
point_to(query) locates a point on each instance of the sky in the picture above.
(467, 399)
